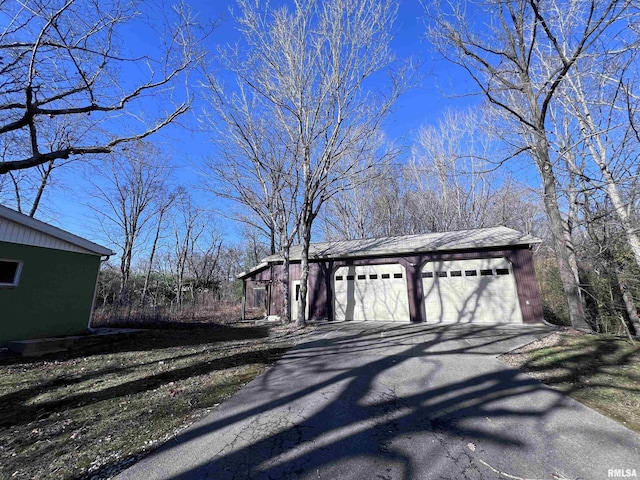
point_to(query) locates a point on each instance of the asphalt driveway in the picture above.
(381, 401)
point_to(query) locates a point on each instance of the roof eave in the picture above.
(409, 251)
(56, 232)
(261, 266)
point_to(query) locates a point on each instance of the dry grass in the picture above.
(601, 371)
(148, 317)
(92, 411)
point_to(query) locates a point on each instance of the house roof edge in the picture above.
(20, 218)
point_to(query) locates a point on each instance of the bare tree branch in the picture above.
(62, 66)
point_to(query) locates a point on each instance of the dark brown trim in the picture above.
(320, 296)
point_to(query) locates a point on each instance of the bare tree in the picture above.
(448, 163)
(129, 198)
(449, 184)
(519, 57)
(164, 204)
(256, 172)
(65, 69)
(253, 248)
(196, 246)
(595, 96)
(203, 262)
(31, 184)
(356, 213)
(311, 70)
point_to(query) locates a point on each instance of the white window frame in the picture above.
(16, 277)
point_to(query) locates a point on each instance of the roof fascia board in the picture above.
(339, 258)
(56, 232)
(261, 266)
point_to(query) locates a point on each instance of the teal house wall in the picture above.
(54, 296)
(51, 291)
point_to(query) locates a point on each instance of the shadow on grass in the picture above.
(16, 408)
(585, 361)
(603, 372)
(177, 335)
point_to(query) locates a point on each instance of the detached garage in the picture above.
(47, 279)
(480, 276)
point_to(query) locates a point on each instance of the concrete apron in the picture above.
(368, 401)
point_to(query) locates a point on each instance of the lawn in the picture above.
(91, 411)
(601, 371)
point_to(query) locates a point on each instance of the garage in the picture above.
(371, 292)
(476, 290)
(483, 275)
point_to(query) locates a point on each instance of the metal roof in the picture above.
(491, 237)
(262, 265)
(9, 219)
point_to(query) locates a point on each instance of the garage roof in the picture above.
(427, 242)
(18, 228)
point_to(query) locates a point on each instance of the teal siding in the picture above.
(54, 296)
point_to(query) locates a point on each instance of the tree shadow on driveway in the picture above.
(378, 402)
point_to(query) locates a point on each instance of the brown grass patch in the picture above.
(148, 317)
(601, 371)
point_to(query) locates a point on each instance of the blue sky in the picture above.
(441, 89)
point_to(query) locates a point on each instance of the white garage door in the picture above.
(478, 291)
(371, 292)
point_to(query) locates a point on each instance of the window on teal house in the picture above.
(10, 272)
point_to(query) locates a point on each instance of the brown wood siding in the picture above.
(319, 273)
(320, 296)
(295, 271)
(527, 286)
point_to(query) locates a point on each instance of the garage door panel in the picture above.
(477, 290)
(371, 292)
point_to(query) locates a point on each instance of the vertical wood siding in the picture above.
(527, 286)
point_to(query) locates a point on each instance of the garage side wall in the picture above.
(264, 292)
(320, 291)
(54, 295)
(527, 286)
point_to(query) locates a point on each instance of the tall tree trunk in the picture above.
(599, 153)
(556, 223)
(16, 189)
(304, 266)
(618, 205)
(630, 315)
(151, 257)
(286, 294)
(125, 266)
(272, 240)
(568, 228)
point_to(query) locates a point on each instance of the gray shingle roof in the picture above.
(408, 244)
